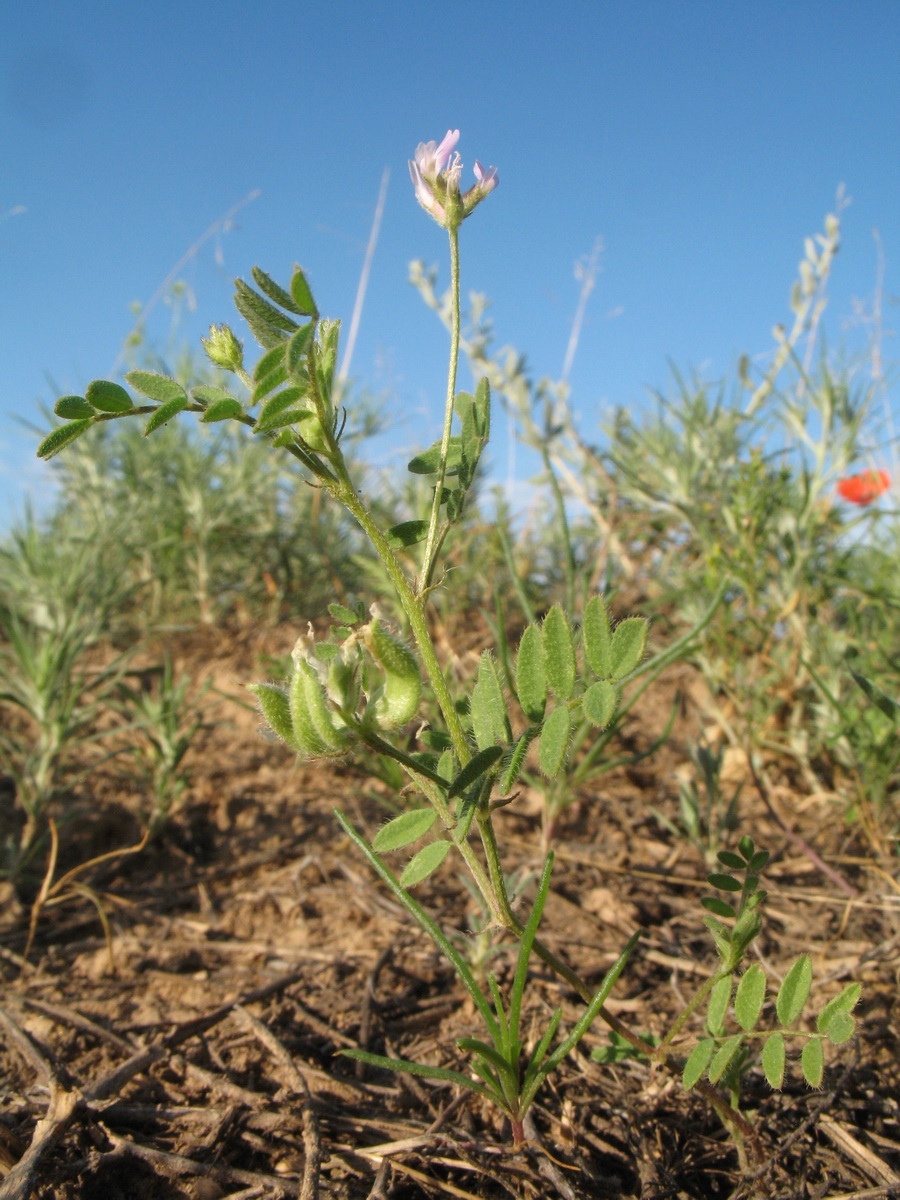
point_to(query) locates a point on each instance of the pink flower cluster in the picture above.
(435, 173)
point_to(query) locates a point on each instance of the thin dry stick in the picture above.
(312, 1142)
(220, 225)
(363, 281)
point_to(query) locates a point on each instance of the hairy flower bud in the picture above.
(223, 348)
(401, 692)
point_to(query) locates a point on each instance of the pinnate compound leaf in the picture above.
(531, 678)
(554, 741)
(559, 652)
(110, 397)
(697, 1062)
(164, 413)
(724, 1057)
(812, 1062)
(629, 644)
(474, 769)
(423, 864)
(73, 408)
(404, 830)
(750, 996)
(719, 999)
(794, 992)
(61, 437)
(845, 1002)
(773, 1059)
(600, 703)
(148, 383)
(597, 637)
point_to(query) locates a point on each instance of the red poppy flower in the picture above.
(865, 487)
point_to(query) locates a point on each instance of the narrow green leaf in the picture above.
(729, 859)
(302, 295)
(474, 769)
(148, 383)
(251, 305)
(274, 291)
(554, 741)
(845, 1002)
(407, 533)
(724, 1057)
(880, 699)
(717, 1006)
(423, 864)
(714, 905)
(531, 678)
(749, 997)
(725, 883)
(629, 644)
(559, 652)
(278, 411)
(269, 362)
(73, 408)
(487, 707)
(512, 768)
(298, 348)
(697, 1062)
(773, 1059)
(110, 397)
(210, 395)
(812, 1062)
(165, 412)
(225, 409)
(404, 830)
(420, 1069)
(55, 441)
(794, 991)
(840, 1028)
(597, 637)
(267, 384)
(429, 461)
(342, 613)
(600, 703)
(758, 860)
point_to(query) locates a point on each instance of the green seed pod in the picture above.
(402, 691)
(273, 702)
(314, 727)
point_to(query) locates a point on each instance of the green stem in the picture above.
(433, 541)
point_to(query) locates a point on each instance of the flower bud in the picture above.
(223, 348)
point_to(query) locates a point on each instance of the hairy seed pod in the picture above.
(275, 707)
(399, 700)
(314, 728)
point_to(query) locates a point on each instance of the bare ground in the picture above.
(194, 1055)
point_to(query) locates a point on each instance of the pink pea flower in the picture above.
(435, 172)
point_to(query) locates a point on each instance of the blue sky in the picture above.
(702, 140)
